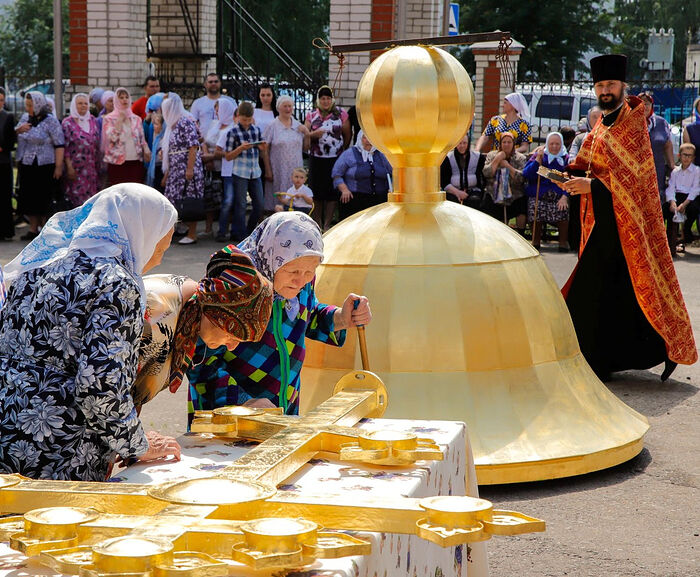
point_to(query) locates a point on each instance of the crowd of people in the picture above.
(86, 337)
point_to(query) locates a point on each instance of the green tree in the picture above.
(556, 35)
(294, 27)
(635, 17)
(26, 38)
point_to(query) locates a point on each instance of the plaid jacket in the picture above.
(256, 370)
(246, 164)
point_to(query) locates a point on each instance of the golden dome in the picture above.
(468, 324)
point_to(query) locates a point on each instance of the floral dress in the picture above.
(69, 337)
(497, 126)
(83, 150)
(286, 144)
(177, 187)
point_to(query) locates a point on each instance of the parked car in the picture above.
(553, 106)
(14, 101)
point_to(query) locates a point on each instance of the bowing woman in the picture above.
(286, 248)
(69, 338)
(232, 304)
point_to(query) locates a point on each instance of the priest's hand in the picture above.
(578, 185)
(349, 316)
(259, 404)
(160, 447)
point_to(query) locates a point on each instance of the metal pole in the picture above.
(58, 57)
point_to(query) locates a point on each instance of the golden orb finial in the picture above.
(415, 103)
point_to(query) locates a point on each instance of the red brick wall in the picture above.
(77, 26)
(382, 22)
(491, 93)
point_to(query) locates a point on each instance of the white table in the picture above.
(392, 554)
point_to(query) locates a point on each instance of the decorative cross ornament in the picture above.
(195, 528)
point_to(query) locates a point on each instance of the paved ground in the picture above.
(639, 519)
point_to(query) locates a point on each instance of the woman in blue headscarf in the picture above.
(69, 338)
(154, 129)
(547, 203)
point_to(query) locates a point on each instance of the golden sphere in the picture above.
(415, 103)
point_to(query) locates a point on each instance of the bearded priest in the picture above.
(623, 296)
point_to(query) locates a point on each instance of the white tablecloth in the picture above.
(392, 554)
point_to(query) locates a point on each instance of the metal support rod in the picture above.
(58, 56)
(432, 41)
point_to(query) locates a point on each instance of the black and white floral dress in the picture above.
(69, 336)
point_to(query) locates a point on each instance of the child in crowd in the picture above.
(243, 146)
(298, 196)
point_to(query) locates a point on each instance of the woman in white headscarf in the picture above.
(361, 175)
(69, 338)
(182, 160)
(123, 141)
(547, 202)
(286, 248)
(515, 119)
(40, 149)
(82, 156)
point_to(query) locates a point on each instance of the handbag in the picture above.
(213, 191)
(190, 209)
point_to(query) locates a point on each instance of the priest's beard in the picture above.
(610, 101)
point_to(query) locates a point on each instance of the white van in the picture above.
(553, 106)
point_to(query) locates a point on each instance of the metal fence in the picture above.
(555, 105)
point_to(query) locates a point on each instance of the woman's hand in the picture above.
(349, 316)
(563, 203)
(460, 194)
(160, 447)
(539, 153)
(189, 173)
(346, 196)
(259, 404)
(578, 185)
(147, 155)
(70, 173)
(58, 172)
(22, 128)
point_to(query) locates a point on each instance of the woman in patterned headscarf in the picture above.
(230, 305)
(286, 248)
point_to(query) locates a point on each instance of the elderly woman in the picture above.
(661, 143)
(40, 144)
(286, 139)
(286, 248)
(515, 119)
(232, 304)
(547, 202)
(82, 156)
(182, 160)
(329, 131)
(107, 107)
(70, 334)
(504, 196)
(361, 174)
(462, 174)
(155, 131)
(123, 142)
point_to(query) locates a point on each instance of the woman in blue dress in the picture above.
(551, 201)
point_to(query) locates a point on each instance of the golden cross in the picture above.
(191, 528)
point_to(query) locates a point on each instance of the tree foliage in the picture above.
(26, 38)
(556, 34)
(635, 17)
(293, 26)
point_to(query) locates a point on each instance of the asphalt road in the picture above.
(639, 519)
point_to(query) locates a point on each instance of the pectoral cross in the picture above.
(199, 526)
